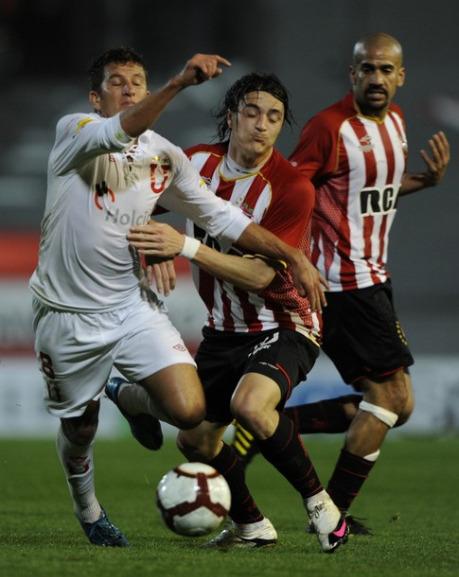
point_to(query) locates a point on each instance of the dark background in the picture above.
(47, 45)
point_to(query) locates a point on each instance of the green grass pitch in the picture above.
(411, 502)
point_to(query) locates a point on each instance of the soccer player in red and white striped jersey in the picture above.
(261, 337)
(355, 154)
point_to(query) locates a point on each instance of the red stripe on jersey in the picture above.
(390, 156)
(347, 267)
(206, 292)
(389, 150)
(253, 194)
(249, 311)
(225, 189)
(382, 240)
(370, 180)
(396, 123)
(210, 165)
(228, 322)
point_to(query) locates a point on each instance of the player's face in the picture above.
(123, 86)
(255, 128)
(375, 77)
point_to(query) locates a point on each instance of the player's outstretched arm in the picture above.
(201, 67)
(156, 239)
(436, 164)
(252, 274)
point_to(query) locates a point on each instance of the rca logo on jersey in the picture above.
(160, 172)
(101, 192)
(376, 201)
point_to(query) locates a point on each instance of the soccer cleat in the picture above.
(247, 536)
(144, 427)
(356, 527)
(329, 525)
(103, 533)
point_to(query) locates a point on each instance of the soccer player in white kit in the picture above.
(106, 172)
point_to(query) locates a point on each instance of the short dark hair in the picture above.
(120, 55)
(253, 82)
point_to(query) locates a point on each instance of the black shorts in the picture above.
(224, 357)
(362, 335)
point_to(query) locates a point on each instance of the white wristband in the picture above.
(190, 247)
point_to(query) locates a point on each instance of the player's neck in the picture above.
(246, 164)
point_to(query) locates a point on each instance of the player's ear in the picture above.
(94, 100)
(401, 77)
(352, 73)
(229, 119)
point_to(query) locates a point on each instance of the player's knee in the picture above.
(249, 416)
(193, 449)
(394, 393)
(189, 415)
(406, 412)
(79, 433)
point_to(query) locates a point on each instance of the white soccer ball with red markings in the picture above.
(193, 499)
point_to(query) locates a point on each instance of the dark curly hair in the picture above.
(121, 55)
(253, 82)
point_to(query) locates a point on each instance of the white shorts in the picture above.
(77, 351)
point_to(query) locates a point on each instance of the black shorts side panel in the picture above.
(362, 335)
(223, 358)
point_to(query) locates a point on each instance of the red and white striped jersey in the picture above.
(356, 164)
(279, 198)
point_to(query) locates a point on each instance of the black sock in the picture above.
(348, 477)
(327, 416)
(243, 507)
(286, 452)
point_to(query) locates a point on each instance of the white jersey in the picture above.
(100, 184)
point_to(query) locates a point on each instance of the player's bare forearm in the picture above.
(306, 277)
(250, 274)
(201, 67)
(162, 240)
(436, 164)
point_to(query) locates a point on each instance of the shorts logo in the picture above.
(179, 347)
(265, 344)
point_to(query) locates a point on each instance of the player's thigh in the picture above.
(149, 343)
(74, 360)
(255, 393)
(178, 392)
(283, 359)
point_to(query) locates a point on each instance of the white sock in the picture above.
(134, 399)
(77, 461)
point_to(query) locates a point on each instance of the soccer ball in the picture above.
(193, 499)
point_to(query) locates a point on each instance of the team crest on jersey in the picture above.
(247, 209)
(102, 191)
(366, 144)
(160, 173)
